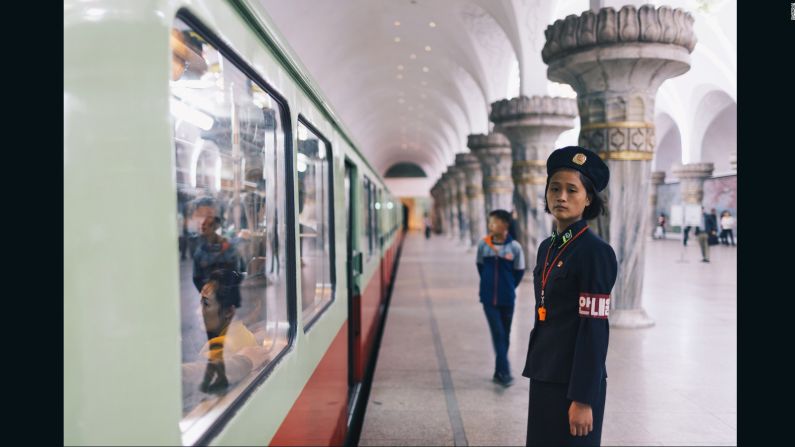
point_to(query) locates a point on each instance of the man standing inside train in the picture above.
(501, 265)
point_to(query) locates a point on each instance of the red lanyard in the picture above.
(545, 272)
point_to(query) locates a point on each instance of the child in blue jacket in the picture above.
(501, 265)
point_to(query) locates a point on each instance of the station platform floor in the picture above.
(674, 383)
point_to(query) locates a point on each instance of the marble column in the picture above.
(450, 205)
(532, 125)
(436, 210)
(657, 179)
(691, 181)
(494, 153)
(460, 185)
(616, 62)
(474, 192)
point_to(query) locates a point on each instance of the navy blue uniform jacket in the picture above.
(570, 346)
(501, 272)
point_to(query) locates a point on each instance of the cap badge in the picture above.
(579, 159)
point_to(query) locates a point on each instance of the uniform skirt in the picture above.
(548, 416)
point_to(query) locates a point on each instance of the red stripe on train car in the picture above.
(370, 304)
(319, 416)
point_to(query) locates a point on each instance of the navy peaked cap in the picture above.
(580, 159)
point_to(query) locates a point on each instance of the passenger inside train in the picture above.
(231, 351)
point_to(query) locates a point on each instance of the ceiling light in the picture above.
(397, 22)
(427, 48)
(399, 76)
(413, 56)
(397, 39)
(425, 69)
(399, 67)
(401, 101)
(432, 24)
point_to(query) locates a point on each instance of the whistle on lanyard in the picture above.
(542, 313)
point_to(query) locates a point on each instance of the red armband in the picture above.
(594, 305)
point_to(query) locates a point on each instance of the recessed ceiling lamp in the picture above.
(397, 22)
(400, 67)
(401, 101)
(432, 24)
(427, 47)
(413, 56)
(399, 76)
(397, 39)
(425, 69)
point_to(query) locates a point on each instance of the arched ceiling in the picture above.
(411, 79)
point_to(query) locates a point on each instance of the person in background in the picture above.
(703, 235)
(712, 227)
(726, 228)
(500, 263)
(427, 222)
(214, 252)
(661, 224)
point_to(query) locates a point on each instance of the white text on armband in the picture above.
(594, 305)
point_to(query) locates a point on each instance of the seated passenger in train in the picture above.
(231, 351)
(214, 252)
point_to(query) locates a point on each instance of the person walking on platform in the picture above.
(574, 274)
(702, 234)
(501, 265)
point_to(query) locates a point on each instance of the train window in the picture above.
(229, 147)
(367, 201)
(314, 222)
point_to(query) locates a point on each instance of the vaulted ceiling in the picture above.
(412, 78)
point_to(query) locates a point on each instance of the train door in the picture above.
(353, 262)
(380, 205)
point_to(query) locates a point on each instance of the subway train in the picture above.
(228, 250)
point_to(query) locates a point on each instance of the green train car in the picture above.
(227, 248)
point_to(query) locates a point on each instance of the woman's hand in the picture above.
(580, 419)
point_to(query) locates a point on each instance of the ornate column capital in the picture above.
(657, 177)
(663, 25)
(692, 178)
(616, 61)
(701, 171)
(494, 153)
(535, 111)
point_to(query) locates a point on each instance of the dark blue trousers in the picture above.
(500, 318)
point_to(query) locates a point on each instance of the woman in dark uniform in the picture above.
(574, 274)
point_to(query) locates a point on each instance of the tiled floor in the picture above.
(672, 384)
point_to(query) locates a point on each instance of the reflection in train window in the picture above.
(314, 222)
(229, 153)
